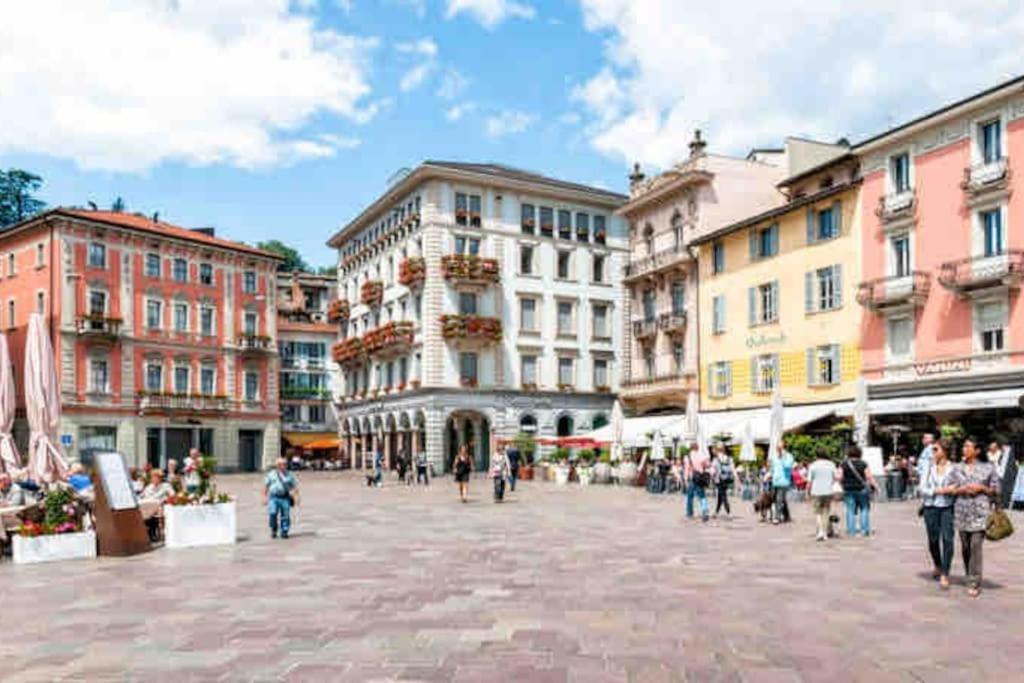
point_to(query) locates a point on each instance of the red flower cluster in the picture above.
(338, 311)
(412, 271)
(348, 350)
(465, 326)
(386, 336)
(469, 268)
(372, 293)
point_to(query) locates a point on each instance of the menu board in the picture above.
(113, 473)
(873, 458)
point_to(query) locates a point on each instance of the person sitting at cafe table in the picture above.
(78, 479)
(156, 491)
(12, 494)
(157, 488)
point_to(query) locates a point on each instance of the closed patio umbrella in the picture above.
(747, 452)
(861, 418)
(691, 414)
(618, 425)
(776, 424)
(42, 405)
(10, 459)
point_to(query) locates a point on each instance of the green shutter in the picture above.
(711, 380)
(775, 239)
(752, 239)
(776, 300)
(751, 306)
(809, 292)
(811, 233)
(837, 278)
(728, 377)
(837, 217)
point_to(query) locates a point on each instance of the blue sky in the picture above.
(282, 118)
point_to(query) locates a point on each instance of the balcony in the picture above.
(305, 394)
(348, 351)
(986, 177)
(471, 329)
(896, 206)
(181, 403)
(469, 270)
(98, 326)
(900, 291)
(675, 381)
(391, 339)
(302, 363)
(338, 311)
(672, 323)
(663, 259)
(372, 293)
(255, 342)
(983, 273)
(645, 329)
(412, 272)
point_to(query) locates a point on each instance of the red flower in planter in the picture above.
(372, 293)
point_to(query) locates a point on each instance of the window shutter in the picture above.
(752, 305)
(837, 280)
(776, 302)
(837, 363)
(810, 225)
(755, 386)
(775, 239)
(811, 379)
(809, 292)
(837, 217)
(712, 390)
(753, 244)
(777, 370)
(728, 378)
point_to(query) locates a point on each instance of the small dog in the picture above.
(765, 505)
(833, 523)
(371, 479)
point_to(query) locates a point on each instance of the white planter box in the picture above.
(602, 473)
(31, 549)
(561, 475)
(585, 474)
(187, 526)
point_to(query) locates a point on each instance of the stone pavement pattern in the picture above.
(598, 584)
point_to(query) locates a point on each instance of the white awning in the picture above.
(636, 429)
(937, 403)
(793, 417)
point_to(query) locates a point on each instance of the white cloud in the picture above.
(426, 50)
(453, 83)
(508, 123)
(490, 13)
(233, 82)
(424, 46)
(750, 72)
(417, 6)
(570, 118)
(458, 111)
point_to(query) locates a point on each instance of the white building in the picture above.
(482, 301)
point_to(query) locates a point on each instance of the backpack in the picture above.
(725, 470)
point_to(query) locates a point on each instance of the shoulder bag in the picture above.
(998, 525)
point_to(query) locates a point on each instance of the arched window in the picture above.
(677, 230)
(649, 239)
(565, 426)
(600, 420)
(528, 424)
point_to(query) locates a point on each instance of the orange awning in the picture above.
(303, 439)
(323, 444)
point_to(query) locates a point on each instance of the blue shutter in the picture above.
(753, 244)
(837, 363)
(775, 239)
(811, 380)
(837, 279)
(809, 292)
(751, 305)
(811, 233)
(837, 218)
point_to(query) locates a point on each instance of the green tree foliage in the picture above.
(17, 200)
(329, 271)
(293, 261)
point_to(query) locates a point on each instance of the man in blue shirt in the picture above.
(781, 464)
(924, 460)
(280, 492)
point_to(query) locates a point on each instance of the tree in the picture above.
(293, 261)
(327, 270)
(16, 196)
(118, 205)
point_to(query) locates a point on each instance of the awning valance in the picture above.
(937, 403)
(304, 439)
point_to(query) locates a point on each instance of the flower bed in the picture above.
(372, 293)
(463, 268)
(471, 327)
(338, 311)
(348, 350)
(412, 272)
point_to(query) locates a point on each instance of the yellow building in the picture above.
(776, 297)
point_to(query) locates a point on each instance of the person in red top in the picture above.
(697, 474)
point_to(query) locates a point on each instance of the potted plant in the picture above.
(201, 518)
(584, 467)
(603, 468)
(561, 457)
(527, 447)
(58, 535)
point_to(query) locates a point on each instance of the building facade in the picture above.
(666, 214)
(165, 337)
(943, 259)
(778, 295)
(307, 328)
(479, 301)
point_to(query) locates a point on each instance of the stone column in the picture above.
(388, 438)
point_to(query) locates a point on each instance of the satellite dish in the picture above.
(398, 176)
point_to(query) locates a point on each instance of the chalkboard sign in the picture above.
(113, 475)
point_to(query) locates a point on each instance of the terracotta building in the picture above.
(165, 337)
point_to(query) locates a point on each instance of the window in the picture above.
(10, 265)
(97, 303)
(900, 333)
(317, 413)
(154, 314)
(206, 321)
(597, 274)
(40, 303)
(649, 367)
(823, 365)
(718, 314)
(765, 373)
(825, 224)
(565, 326)
(564, 261)
(99, 377)
(525, 259)
(678, 356)
(181, 377)
(678, 297)
(991, 139)
(547, 221)
(528, 220)
(153, 265)
(154, 376)
(764, 242)
(467, 209)
(179, 270)
(529, 370)
(528, 315)
(720, 379)
(582, 226)
(528, 424)
(717, 258)
(252, 386)
(467, 246)
(10, 313)
(600, 373)
(601, 321)
(205, 274)
(249, 282)
(290, 413)
(763, 303)
(207, 380)
(823, 289)
(990, 325)
(900, 249)
(468, 368)
(467, 303)
(565, 371)
(649, 300)
(565, 224)
(899, 170)
(677, 232)
(40, 255)
(649, 239)
(403, 370)
(249, 324)
(600, 229)
(992, 232)
(97, 255)
(180, 317)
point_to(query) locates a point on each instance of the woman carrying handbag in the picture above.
(975, 484)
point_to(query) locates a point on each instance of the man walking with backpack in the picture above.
(280, 492)
(724, 474)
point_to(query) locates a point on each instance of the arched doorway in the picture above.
(473, 430)
(528, 424)
(565, 426)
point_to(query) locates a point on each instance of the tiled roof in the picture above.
(160, 228)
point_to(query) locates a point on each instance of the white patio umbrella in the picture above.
(747, 451)
(775, 423)
(618, 425)
(657, 446)
(861, 419)
(691, 414)
(10, 459)
(42, 405)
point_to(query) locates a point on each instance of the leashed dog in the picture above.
(765, 505)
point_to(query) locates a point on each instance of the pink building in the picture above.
(942, 334)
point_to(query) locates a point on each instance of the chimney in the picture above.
(697, 145)
(635, 178)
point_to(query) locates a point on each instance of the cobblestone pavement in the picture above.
(557, 584)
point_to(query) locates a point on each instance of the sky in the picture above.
(283, 118)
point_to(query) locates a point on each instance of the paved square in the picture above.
(557, 584)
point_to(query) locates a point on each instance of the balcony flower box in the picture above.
(562, 386)
(348, 351)
(387, 337)
(412, 272)
(603, 389)
(415, 384)
(53, 547)
(470, 327)
(338, 311)
(529, 386)
(372, 293)
(600, 236)
(468, 382)
(469, 268)
(189, 526)
(400, 387)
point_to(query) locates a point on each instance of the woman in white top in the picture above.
(937, 487)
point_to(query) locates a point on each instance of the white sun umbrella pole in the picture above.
(691, 415)
(42, 405)
(618, 426)
(775, 424)
(861, 419)
(10, 459)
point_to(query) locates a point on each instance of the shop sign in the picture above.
(756, 341)
(940, 367)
